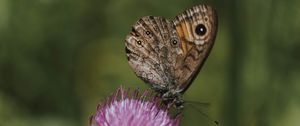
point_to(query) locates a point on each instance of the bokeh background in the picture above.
(60, 58)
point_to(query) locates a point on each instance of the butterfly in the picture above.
(168, 54)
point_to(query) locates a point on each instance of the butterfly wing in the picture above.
(197, 29)
(149, 53)
(169, 54)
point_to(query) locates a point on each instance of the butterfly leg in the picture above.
(173, 98)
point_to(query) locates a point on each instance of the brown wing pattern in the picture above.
(148, 50)
(197, 28)
(169, 54)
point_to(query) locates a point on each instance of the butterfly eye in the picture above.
(200, 29)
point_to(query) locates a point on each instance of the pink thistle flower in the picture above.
(137, 109)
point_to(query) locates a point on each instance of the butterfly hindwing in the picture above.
(148, 50)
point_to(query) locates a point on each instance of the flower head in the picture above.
(136, 109)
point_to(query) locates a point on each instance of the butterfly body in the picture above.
(168, 54)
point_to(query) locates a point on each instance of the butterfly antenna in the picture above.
(203, 104)
(205, 115)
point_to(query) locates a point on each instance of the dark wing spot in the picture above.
(174, 42)
(200, 29)
(148, 33)
(139, 42)
(206, 18)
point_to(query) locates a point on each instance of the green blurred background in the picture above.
(60, 58)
